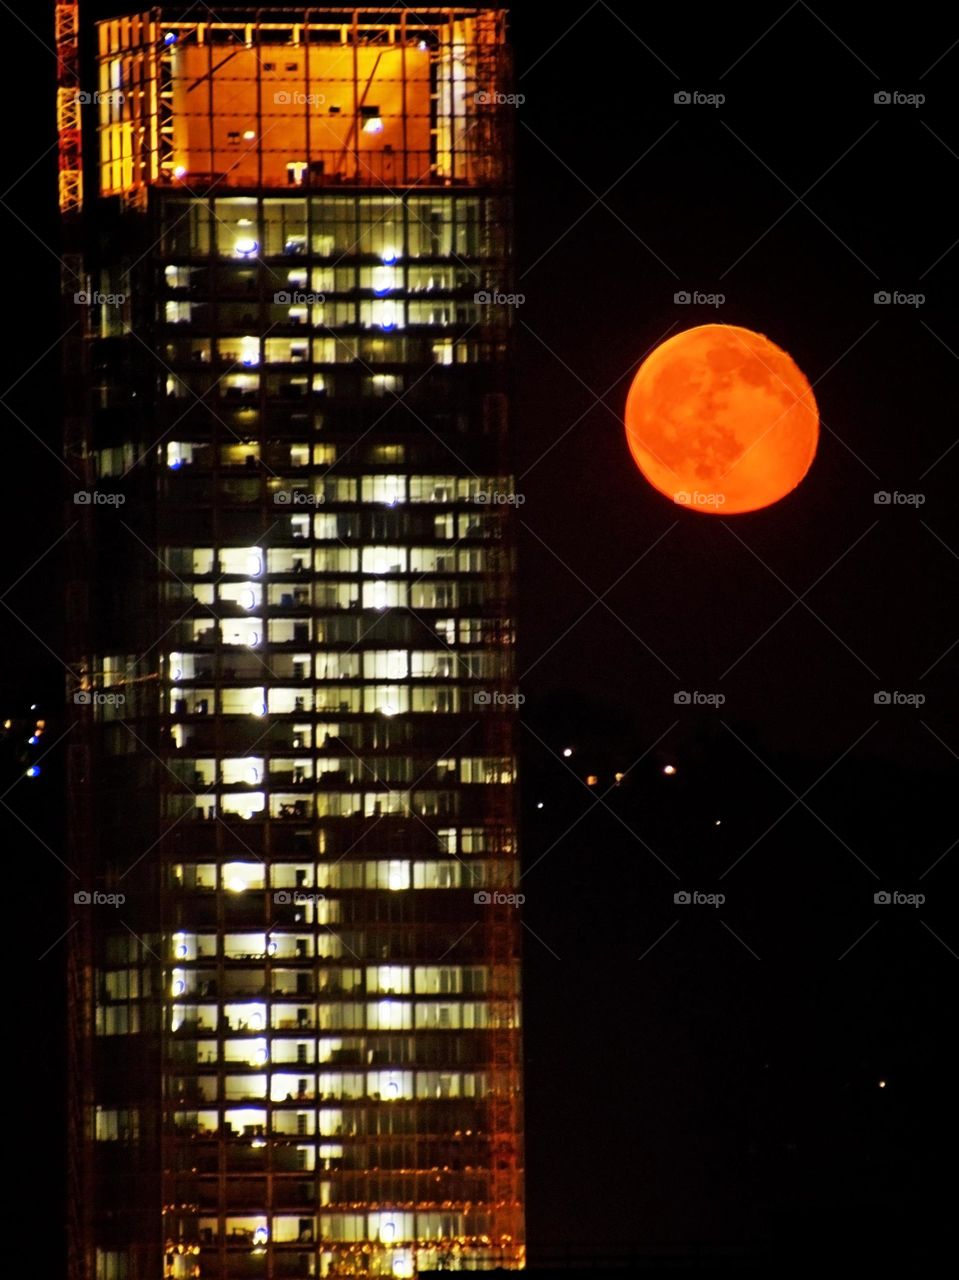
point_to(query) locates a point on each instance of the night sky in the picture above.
(694, 1073)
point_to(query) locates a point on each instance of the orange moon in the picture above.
(721, 420)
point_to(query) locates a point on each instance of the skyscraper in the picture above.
(294, 959)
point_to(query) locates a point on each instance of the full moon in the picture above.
(721, 420)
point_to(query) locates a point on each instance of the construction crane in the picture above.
(67, 26)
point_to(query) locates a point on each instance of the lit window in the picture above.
(372, 119)
(240, 876)
(399, 875)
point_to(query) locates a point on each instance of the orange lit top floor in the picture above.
(258, 98)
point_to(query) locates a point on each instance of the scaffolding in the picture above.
(265, 99)
(69, 101)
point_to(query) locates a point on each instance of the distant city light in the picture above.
(245, 246)
(180, 171)
(669, 769)
(389, 256)
(33, 741)
(170, 38)
(618, 777)
(33, 771)
(718, 822)
(591, 780)
(567, 752)
(882, 1084)
(540, 805)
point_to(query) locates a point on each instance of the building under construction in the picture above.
(294, 977)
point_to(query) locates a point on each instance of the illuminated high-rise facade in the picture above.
(295, 1044)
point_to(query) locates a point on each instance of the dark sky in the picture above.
(725, 1086)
